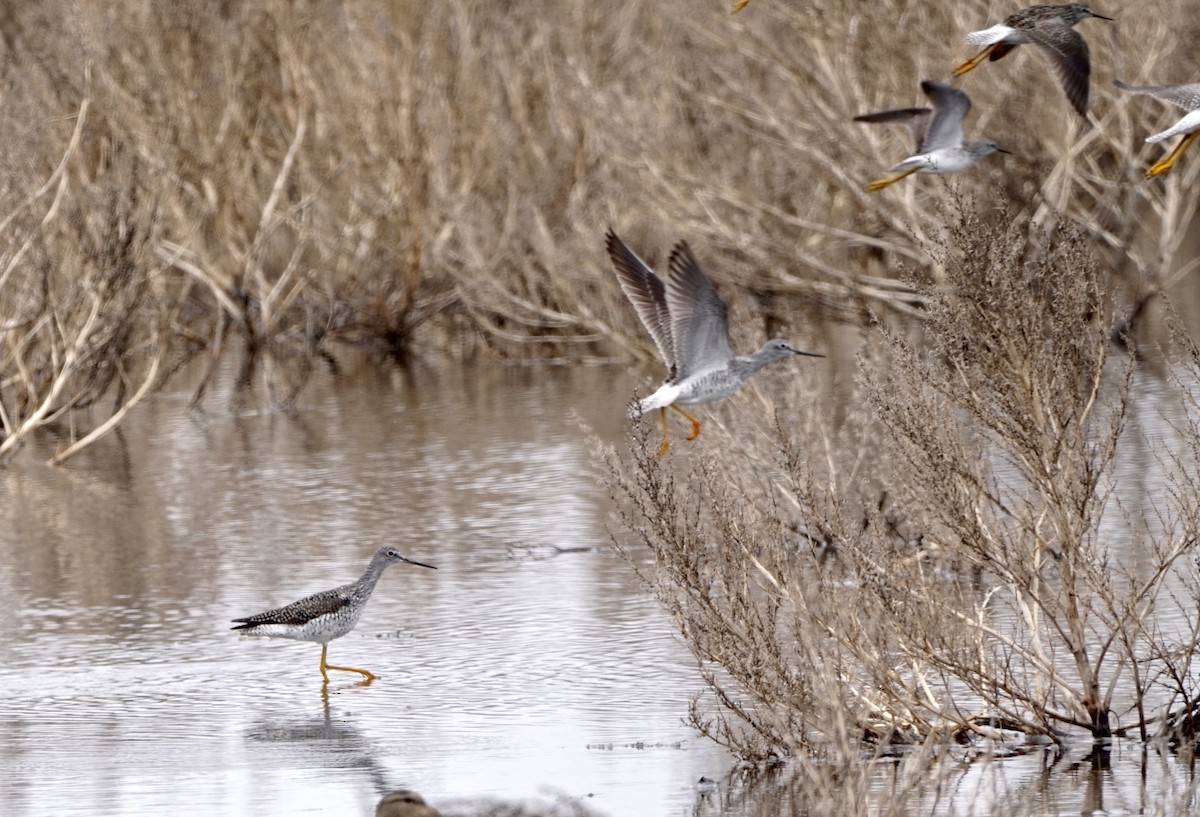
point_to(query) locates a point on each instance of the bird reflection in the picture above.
(337, 742)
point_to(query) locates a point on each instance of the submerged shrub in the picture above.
(947, 562)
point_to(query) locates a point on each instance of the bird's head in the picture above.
(1075, 12)
(779, 348)
(391, 556)
(986, 147)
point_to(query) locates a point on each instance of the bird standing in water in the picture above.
(327, 615)
(686, 319)
(1050, 28)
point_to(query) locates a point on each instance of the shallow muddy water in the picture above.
(533, 662)
(513, 669)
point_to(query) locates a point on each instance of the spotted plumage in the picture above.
(1051, 29)
(327, 615)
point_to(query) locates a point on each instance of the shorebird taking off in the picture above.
(1185, 96)
(1050, 29)
(941, 147)
(686, 319)
(327, 615)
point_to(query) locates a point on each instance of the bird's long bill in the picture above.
(808, 354)
(418, 564)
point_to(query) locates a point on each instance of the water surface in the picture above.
(531, 661)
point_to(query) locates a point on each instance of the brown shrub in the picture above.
(941, 563)
(438, 178)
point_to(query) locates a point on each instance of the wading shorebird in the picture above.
(327, 615)
(1186, 97)
(941, 147)
(1050, 29)
(686, 319)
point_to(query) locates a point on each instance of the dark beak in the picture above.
(419, 564)
(1002, 150)
(808, 354)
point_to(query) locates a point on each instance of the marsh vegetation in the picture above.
(930, 560)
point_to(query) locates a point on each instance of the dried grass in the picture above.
(438, 178)
(940, 566)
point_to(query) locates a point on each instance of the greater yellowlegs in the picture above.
(327, 615)
(941, 147)
(1186, 97)
(686, 319)
(1050, 29)
(404, 803)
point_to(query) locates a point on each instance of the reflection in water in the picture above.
(532, 661)
(337, 744)
(127, 694)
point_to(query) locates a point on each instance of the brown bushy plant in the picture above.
(947, 562)
(437, 178)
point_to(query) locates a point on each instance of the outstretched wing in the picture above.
(698, 321)
(950, 108)
(646, 292)
(1185, 96)
(915, 119)
(1067, 53)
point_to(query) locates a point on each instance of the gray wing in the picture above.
(698, 321)
(915, 119)
(1067, 52)
(950, 107)
(646, 292)
(298, 613)
(1185, 96)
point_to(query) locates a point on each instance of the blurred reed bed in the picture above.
(286, 177)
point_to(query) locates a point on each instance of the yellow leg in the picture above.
(973, 63)
(666, 443)
(1172, 157)
(879, 184)
(739, 5)
(370, 676)
(695, 423)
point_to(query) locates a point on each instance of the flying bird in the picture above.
(1186, 97)
(686, 319)
(941, 146)
(1050, 28)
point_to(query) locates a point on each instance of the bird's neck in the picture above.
(753, 362)
(371, 575)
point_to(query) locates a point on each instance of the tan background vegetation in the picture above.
(438, 177)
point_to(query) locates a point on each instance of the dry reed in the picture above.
(292, 176)
(941, 564)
